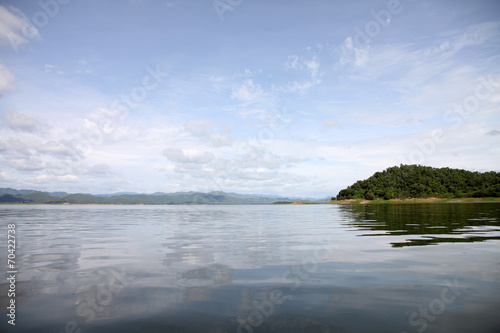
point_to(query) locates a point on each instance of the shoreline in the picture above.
(332, 202)
(413, 201)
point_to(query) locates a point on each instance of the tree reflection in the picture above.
(434, 223)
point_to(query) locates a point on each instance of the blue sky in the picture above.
(293, 98)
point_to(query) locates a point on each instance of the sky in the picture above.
(291, 98)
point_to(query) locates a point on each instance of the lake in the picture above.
(266, 268)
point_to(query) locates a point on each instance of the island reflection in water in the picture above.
(437, 223)
(314, 268)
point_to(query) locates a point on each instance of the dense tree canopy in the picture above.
(416, 181)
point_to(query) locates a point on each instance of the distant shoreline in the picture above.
(279, 203)
(412, 201)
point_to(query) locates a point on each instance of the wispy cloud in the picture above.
(15, 27)
(310, 65)
(244, 105)
(6, 80)
(21, 121)
(188, 155)
(249, 92)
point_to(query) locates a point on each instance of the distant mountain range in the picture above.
(9, 195)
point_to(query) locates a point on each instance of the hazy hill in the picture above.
(9, 198)
(12, 191)
(416, 181)
(39, 197)
(7, 190)
(8, 195)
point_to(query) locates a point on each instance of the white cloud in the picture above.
(21, 121)
(61, 149)
(219, 140)
(300, 87)
(49, 159)
(248, 92)
(474, 35)
(292, 62)
(350, 56)
(48, 68)
(50, 179)
(200, 128)
(416, 63)
(37, 154)
(53, 69)
(493, 132)
(311, 66)
(190, 132)
(258, 113)
(261, 159)
(6, 79)
(4, 177)
(331, 123)
(105, 124)
(204, 130)
(188, 155)
(97, 170)
(15, 27)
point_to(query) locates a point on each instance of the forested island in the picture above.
(416, 181)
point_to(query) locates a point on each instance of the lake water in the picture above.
(276, 268)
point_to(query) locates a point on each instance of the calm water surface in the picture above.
(304, 268)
